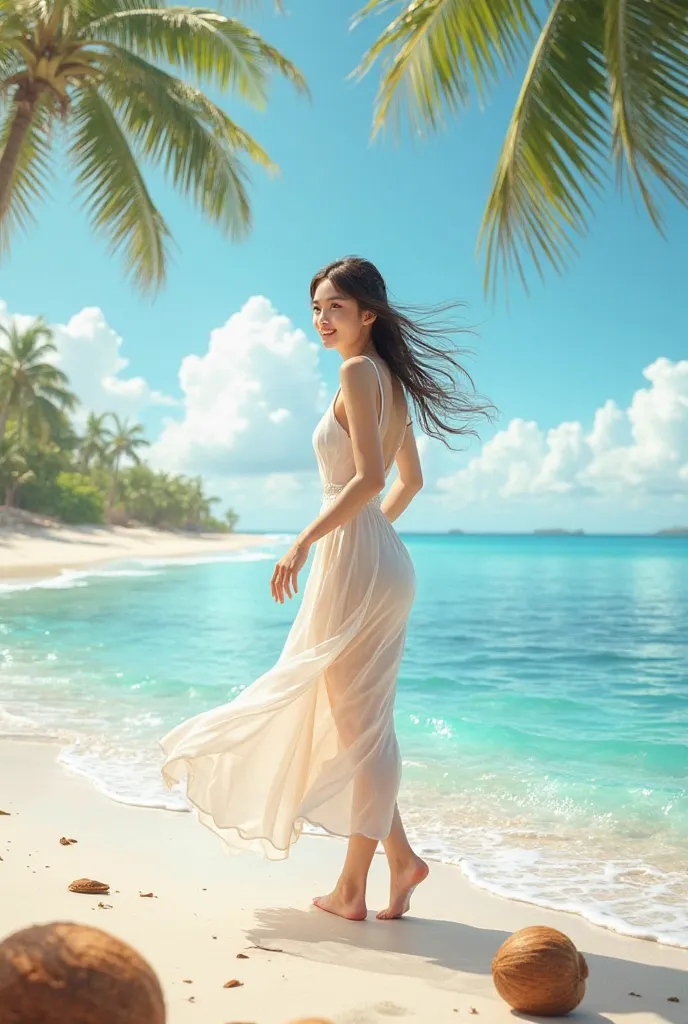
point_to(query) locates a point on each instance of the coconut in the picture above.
(59, 972)
(539, 971)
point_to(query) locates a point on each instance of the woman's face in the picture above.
(339, 320)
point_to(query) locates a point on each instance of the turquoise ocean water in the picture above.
(542, 707)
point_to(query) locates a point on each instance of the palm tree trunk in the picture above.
(20, 424)
(10, 494)
(113, 487)
(4, 416)
(25, 100)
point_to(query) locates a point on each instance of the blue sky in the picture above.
(552, 357)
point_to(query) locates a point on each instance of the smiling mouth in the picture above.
(327, 334)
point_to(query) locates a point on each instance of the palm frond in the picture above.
(174, 124)
(32, 173)
(556, 146)
(9, 59)
(14, 18)
(91, 12)
(30, 343)
(43, 410)
(114, 191)
(207, 44)
(646, 47)
(434, 50)
(58, 394)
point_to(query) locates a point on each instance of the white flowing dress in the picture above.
(312, 740)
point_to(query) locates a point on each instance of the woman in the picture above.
(313, 739)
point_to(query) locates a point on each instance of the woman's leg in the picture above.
(406, 869)
(349, 702)
(349, 897)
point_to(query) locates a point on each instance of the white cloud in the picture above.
(89, 352)
(638, 453)
(250, 402)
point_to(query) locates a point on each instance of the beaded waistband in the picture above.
(330, 491)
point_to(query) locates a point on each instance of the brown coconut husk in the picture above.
(90, 887)
(65, 972)
(539, 971)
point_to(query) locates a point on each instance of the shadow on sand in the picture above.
(425, 949)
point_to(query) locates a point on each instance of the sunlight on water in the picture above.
(542, 708)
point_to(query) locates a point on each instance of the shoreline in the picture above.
(208, 907)
(32, 553)
(63, 746)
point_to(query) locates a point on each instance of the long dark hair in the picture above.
(417, 350)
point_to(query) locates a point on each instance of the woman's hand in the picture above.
(285, 577)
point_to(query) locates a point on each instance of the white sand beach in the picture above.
(207, 908)
(28, 550)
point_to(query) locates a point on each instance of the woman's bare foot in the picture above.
(401, 889)
(352, 908)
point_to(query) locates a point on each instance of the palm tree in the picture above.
(196, 506)
(147, 495)
(123, 442)
(31, 388)
(94, 65)
(164, 500)
(231, 518)
(14, 469)
(93, 445)
(606, 79)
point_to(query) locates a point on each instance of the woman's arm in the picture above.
(408, 482)
(359, 390)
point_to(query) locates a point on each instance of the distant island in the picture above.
(455, 531)
(673, 531)
(558, 533)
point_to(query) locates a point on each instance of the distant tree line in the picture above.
(92, 476)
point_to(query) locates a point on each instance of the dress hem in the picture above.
(284, 851)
